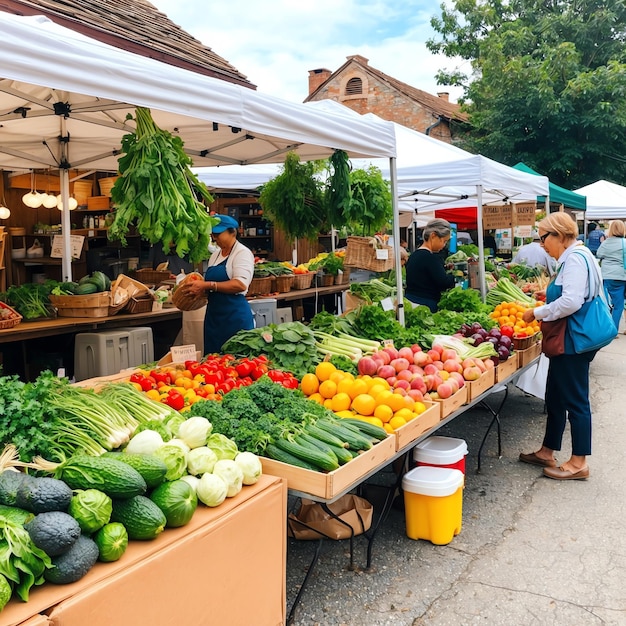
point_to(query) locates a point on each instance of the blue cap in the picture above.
(226, 221)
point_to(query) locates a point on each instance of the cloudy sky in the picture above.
(275, 43)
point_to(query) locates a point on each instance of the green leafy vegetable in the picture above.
(462, 300)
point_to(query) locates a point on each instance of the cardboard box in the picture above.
(188, 575)
(525, 357)
(484, 382)
(425, 421)
(330, 484)
(506, 368)
(451, 404)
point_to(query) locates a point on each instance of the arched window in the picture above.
(354, 87)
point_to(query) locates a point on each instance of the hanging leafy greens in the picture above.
(370, 208)
(158, 193)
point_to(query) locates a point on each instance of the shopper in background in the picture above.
(533, 254)
(612, 257)
(489, 243)
(594, 237)
(567, 384)
(426, 277)
(227, 278)
(404, 253)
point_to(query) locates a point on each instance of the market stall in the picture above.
(605, 200)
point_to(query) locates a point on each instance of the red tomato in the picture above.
(507, 330)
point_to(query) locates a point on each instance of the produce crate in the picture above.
(132, 286)
(140, 304)
(479, 386)
(98, 203)
(420, 424)
(361, 253)
(15, 319)
(523, 343)
(506, 368)
(106, 184)
(302, 281)
(451, 404)
(328, 485)
(92, 305)
(524, 357)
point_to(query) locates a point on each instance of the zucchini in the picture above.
(324, 435)
(116, 479)
(151, 467)
(86, 289)
(316, 457)
(141, 517)
(342, 454)
(369, 430)
(355, 440)
(275, 453)
(100, 280)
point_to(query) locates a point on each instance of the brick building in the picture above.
(365, 89)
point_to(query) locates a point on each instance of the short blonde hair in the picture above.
(560, 223)
(617, 228)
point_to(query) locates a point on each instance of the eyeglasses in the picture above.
(543, 238)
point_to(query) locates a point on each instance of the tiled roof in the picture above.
(136, 26)
(437, 105)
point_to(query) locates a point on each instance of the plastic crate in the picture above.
(101, 354)
(141, 345)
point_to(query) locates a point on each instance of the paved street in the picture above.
(532, 551)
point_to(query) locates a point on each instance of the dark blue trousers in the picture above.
(567, 396)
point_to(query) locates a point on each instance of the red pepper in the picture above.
(145, 382)
(290, 383)
(175, 399)
(244, 368)
(257, 372)
(507, 330)
(161, 377)
(276, 375)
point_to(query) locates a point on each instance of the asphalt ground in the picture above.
(531, 551)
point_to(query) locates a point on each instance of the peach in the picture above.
(399, 364)
(489, 364)
(471, 373)
(419, 384)
(402, 384)
(444, 390)
(383, 356)
(449, 354)
(416, 348)
(452, 365)
(438, 365)
(367, 366)
(454, 383)
(421, 358)
(405, 375)
(386, 371)
(416, 394)
(431, 369)
(435, 355)
(406, 353)
(391, 351)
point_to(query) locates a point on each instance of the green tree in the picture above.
(547, 83)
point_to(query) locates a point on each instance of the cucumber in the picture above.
(315, 444)
(355, 440)
(369, 430)
(342, 454)
(116, 479)
(324, 435)
(275, 453)
(151, 467)
(316, 457)
(141, 517)
(86, 289)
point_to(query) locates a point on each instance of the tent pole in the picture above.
(66, 221)
(481, 245)
(396, 239)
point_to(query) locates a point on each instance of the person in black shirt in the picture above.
(426, 277)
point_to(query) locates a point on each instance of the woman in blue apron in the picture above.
(228, 275)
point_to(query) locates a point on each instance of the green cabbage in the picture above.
(250, 465)
(144, 442)
(231, 474)
(195, 431)
(201, 460)
(223, 447)
(175, 458)
(91, 509)
(211, 490)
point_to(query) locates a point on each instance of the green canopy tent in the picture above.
(558, 195)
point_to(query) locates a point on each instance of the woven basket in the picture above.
(183, 299)
(82, 191)
(342, 279)
(9, 323)
(302, 281)
(523, 343)
(259, 286)
(282, 284)
(140, 304)
(325, 280)
(151, 277)
(105, 185)
(361, 253)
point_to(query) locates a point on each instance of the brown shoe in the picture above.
(560, 473)
(533, 459)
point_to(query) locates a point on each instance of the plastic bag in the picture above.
(533, 380)
(312, 521)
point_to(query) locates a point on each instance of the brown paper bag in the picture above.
(313, 522)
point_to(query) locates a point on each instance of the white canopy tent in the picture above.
(65, 98)
(605, 200)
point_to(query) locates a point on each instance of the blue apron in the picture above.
(226, 313)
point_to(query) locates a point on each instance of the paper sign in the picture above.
(525, 213)
(76, 246)
(387, 304)
(387, 343)
(382, 254)
(181, 354)
(498, 216)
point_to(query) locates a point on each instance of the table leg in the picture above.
(495, 420)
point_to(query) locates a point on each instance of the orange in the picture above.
(358, 387)
(406, 414)
(383, 412)
(375, 389)
(328, 404)
(396, 422)
(364, 404)
(382, 397)
(316, 397)
(389, 428)
(328, 389)
(419, 407)
(340, 402)
(309, 384)
(324, 370)
(344, 385)
(337, 376)
(396, 402)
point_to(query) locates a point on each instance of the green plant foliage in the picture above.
(370, 209)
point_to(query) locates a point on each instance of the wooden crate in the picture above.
(506, 368)
(92, 305)
(524, 357)
(328, 485)
(98, 203)
(484, 382)
(425, 421)
(451, 404)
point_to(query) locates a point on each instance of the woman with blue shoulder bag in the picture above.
(612, 257)
(574, 298)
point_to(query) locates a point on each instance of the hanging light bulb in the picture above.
(32, 199)
(49, 201)
(72, 203)
(5, 214)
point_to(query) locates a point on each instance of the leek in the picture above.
(464, 348)
(344, 345)
(507, 291)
